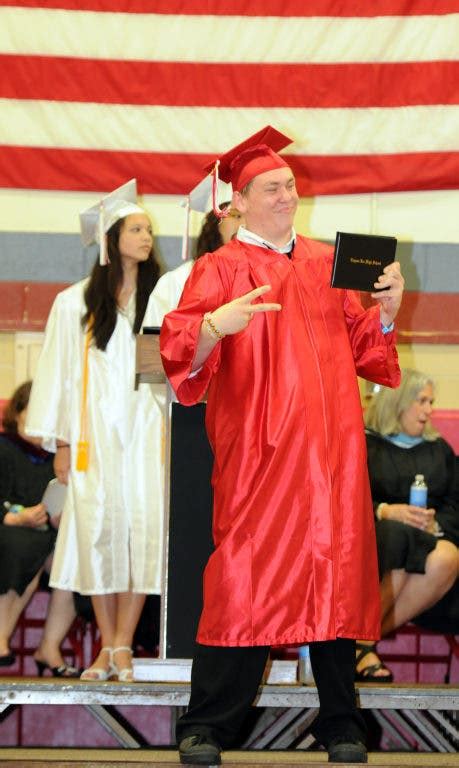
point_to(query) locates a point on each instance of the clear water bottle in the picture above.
(305, 675)
(418, 492)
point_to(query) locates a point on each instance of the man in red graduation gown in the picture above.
(277, 350)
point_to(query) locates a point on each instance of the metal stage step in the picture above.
(421, 718)
(111, 758)
(51, 690)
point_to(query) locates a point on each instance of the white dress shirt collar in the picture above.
(245, 236)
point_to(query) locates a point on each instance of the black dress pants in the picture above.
(224, 684)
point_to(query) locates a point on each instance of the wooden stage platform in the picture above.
(110, 758)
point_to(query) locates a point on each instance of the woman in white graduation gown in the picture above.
(109, 543)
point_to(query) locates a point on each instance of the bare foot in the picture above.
(4, 647)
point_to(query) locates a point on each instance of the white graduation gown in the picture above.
(111, 530)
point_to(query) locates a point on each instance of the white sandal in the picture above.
(98, 674)
(125, 675)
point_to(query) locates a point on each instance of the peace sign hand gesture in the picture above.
(236, 315)
(228, 319)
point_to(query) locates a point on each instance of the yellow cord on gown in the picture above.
(82, 456)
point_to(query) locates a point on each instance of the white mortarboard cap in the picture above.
(97, 220)
(200, 199)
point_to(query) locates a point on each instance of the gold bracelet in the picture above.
(212, 328)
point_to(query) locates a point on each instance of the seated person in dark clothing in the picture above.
(417, 547)
(27, 540)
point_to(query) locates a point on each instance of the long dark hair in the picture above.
(104, 283)
(17, 403)
(209, 238)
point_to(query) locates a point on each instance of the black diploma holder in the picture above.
(360, 259)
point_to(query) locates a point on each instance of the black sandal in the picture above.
(367, 674)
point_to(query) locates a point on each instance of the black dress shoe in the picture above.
(7, 660)
(199, 750)
(65, 670)
(347, 751)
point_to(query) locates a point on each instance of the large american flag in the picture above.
(93, 92)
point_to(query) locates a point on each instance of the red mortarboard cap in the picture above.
(255, 155)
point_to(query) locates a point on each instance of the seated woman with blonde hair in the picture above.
(417, 546)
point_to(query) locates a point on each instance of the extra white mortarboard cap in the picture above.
(97, 220)
(200, 199)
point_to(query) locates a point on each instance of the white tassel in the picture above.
(185, 238)
(103, 256)
(219, 212)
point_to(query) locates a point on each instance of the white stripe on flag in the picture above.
(213, 130)
(155, 37)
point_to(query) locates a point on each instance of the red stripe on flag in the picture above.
(170, 173)
(300, 8)
(229, 85)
